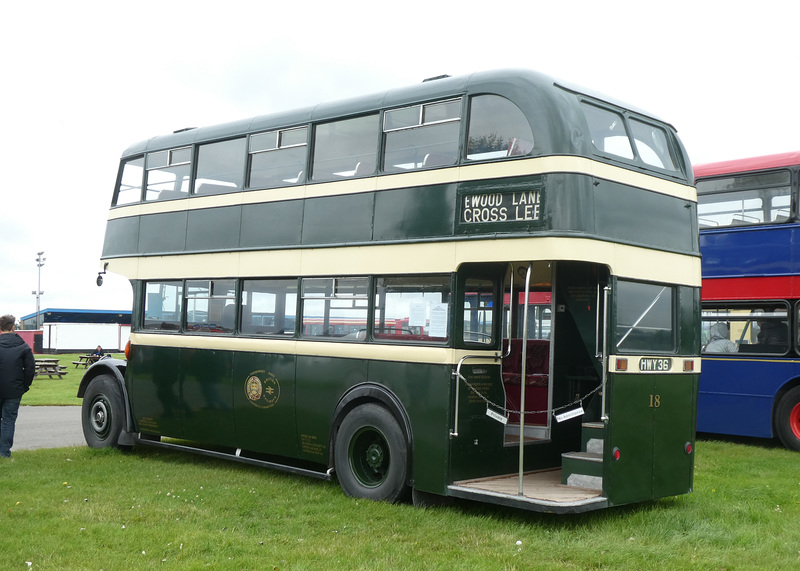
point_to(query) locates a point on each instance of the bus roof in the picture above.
(747, 165)
(510, 82)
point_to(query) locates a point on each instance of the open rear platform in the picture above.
(542, 492)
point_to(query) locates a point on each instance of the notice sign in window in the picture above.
(524, 206)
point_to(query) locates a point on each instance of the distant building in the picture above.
(80, 330)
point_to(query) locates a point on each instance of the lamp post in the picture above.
(39, 262)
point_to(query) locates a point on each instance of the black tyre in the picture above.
(787, 419)
(371, 455)
(102, 412)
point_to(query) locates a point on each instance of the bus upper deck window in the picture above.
(220, 167)
(129, 189)
(421, 136)
(607, 131)
(497, 128)
(168, 174)
(745, 199)
(278, 158)
(652, 145)
(344, 149)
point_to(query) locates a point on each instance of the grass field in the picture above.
(56, 392)
(76, 508)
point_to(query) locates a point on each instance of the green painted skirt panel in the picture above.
(629, 479)
(676, 419)
(651, 419)
(152, 379)
(321, 382)
(207, 396)
(425, 392)
(264, 403)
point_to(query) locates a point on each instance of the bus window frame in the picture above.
(213, 283)
(521, 151)
(169, 164)
(180, 298)
(313, 161)
(285, 281)
(197, 163)
(278, 148)
(760, 191)
(422, 339)
(636, 161)
(327, 299)
(458, 329)
(422, 124)
(752, 305)
(614, 334)
(121, 175)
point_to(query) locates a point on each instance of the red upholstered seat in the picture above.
(537, 370)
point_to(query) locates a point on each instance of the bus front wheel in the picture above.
(101, 412)
(787, 419)
(371, 455)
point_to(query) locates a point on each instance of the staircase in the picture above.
(585, 469)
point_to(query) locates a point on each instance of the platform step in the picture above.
(582, 470)
(594, 446)
(592, 431)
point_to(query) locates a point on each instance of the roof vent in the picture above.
(434, 78)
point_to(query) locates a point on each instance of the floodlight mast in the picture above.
(38, 293)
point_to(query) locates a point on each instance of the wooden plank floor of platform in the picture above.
(544, 485)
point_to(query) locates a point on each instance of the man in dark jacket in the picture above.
(17, 368)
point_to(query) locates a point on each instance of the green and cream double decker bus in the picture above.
(483, 287)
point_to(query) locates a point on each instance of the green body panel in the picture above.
(425, 392)
(197, 399)
(321, 382)
(674, 427)
(207, 395)
(415, 212)
(202, 395)
(267, 423)
(152, 378)
(651, 419)
(570, 203)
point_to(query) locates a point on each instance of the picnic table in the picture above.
(85, 360)
(49, 367)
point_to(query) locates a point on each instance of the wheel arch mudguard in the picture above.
(787, 386)
(371, 392)
(115, 368)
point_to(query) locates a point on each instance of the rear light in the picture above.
(688, 448)
(622, 364)
(128, 350)
(615, 454)
(688, 365)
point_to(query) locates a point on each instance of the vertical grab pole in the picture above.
(457, 377)
(606, 296)
(598, 338)
(523, 373)
(510, 309)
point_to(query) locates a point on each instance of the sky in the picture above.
(83, 80)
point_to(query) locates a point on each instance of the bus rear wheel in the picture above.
(371, 455)
(101, 412)
(787, 419)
